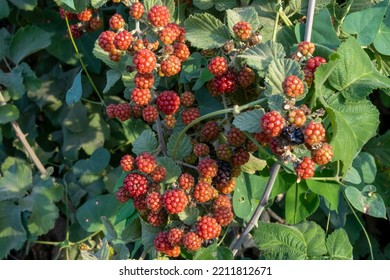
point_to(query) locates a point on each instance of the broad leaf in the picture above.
(173, 170)
(338, 245)
(132, 232)
(220, 5)
(110, 232)
(148, 234)
(329, 191)
(112, 77)
(15, 181)
(179, 150)
(8, 113)
(379, 147)
(98, 3)
(4, 10)
(73, 95)
(207, 103)
(189, 216)
(214, 252)
(364, 163)
(146, 142)
(382, 39)
(301, 6)
(121, 252)
(27, 5)
(249, 121)
(314, 237)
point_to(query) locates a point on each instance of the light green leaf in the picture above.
(364, 163)
(112, 77)
(314, 237)
(173, 170)
(99, 53)
(73, 95)
(15, 181)
(329, 191)
(338, 245)
(8, 113)
(133, 128)
(132, 232)
(249, 121)
(69, 3)
(98, 3)
(382, 39)
(253, 165)
(95, 164)
(220, 5)
(4, 10)
(189, 216)
(353, 176)
(301, 6)
(27, 5)
(247, 14)
(204, 31)
(183, 149)
(146, 142)
(214, 252)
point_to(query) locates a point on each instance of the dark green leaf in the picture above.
(314, 237)
(5, 38)
(132, 232)
(148, 234)
(4, 10)
(249, 121)
(329, 191)
(146, 142)
(338, 245)
(379, 147)
(73, 95)
(189, 216)
(121, 252)
(179, 150)
(207, 103)
(15, 181)
(364, 163)
(8, 113)
(173, 170)
(111, 234)
(220, 5)
(27, 5)
(13, 81)
(112, 77)
(214, 252)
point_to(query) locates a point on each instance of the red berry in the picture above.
(123, 111)
(181, 51)
(168, 102)
(127, 163)
(161, 242)
(157, 219)
(146, 162)
(228, 187)
(309, 76)
(158, 174)
(135, 184)
(246, 77)
(222, 201)
(154, 201)
(181, 37)
(223, 215)
(218, 66)
(314, 133)
(122, 195)
(159, 16)
(186, 181)
(224, 152)
(68, 14)
(213, 91)
(150, 114)
(141, 97)
(305, 169)
(96, 23)
(313, 63)
(306, 48)
(115, 55)
(143, 81)
(173, 252)
(210, 131)
(272, 123)
(236, 137)
(170, 121)
(187, 99)
(136, 10)
(190, 115)
(201, 150)
(110, 111)
(208, 167)
(240, 157)
(322, 155)
(175, 236)
(203, 192)
(167, 35)
(122, 40)
(144, 61)
(262, 138)
(139, 203)
(137, 111)
(293, 86)
(297, 118)
(208, 228)
(76, 31)
(106, 40)
(175, 28)
(170, 66)
(175, 201)
(116, 22)
(85, 15)
(137, 45)
(192, 241)
(242, 30)
(226, 83)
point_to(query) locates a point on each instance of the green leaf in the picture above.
(299, 6)
(338, 245)
(189, 216)
(73, 95)
(13, 81)
(214, 252)
(204, 31)
(4, 10)
(353, 125)
(329, 191)
(220, 5)
(379, 147)
(173, 170)
(253, 165)
(27, 5)
(314, 237)
(27, 40)
(15, 181)
(99, 53)
(98, 3)
(382, 40)
(148, 234)
(110, 234)
(364, 163)
(367, 201)
(300, 203)
(121, 252)
(260, 56)
(353, 176)
(146, 142)
(247, 14)
(275, 102)
(126, 210)
(183, 149)
(249, 121)
(361, 77)
(207, 103)
(365, 24)
(12, 233)
(112, 77)
(132, 232)
(133, 128)
(69, 3)
(8, 113)
(5, 38)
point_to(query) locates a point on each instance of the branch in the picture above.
(161, 136)
(309, 20)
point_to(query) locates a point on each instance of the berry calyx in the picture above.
(175, 201)
(305, 169)
(168, 102)
(208, 228)
(314, 133)
(293, 86)
(272, 123)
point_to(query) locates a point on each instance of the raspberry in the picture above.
(222, 201)
(161, 242)
(226, 83)
(224, 152)
(181, 38)
(192, 241)
(209, 132)
(123, 111)
(218, 66)
(306, 48)
(181, 51)
(154, 187)
(175, 28)
(122, 40)
(150, 114)
(106, 40)
(262, 138)
(146, 162)
(175, 236)
(190, 115)
(170, 66)
(137, 111)
(168, 102)
(135, 184)
(203, 192)
(139, 203)
(159, 16)
(228, 187)
(116, 22)
(186, 181)
(272, 123)
(201, 150)
(250, 146)
(309, 76)
(170, 121)
(144, 61)
(96, 23)
(137, 45)
(313, 63)
(242, 30)
(277, 147)
(122, 195)
(293, 86)
(203, 179)
(240, 157)
(297, 118)
(208, 228)
(223, 215)
(157, 219)
(85, 15)
(213, 91)
(294, 135)
(175, 201)
(191, 159)
(167, 35)
(314, 133)
(143, 81)
(322, 155)
(127, 163)
(246, 77)
(115, 55)
(208, 167)
(173, 252)
(224, 173)
(76, 31)
(69, 15)
(158, 174)
(236, 137)
(187, 99)
(154, 201)
(141, 97)
(305, 169)
(136, 10)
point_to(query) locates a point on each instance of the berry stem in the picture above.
(283, 16)
(259, 210)
(275, 31)
(309, 20)
(82, 62)
(186, 164)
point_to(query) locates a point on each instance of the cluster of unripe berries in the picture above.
(86, 21)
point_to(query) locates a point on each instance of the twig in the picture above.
(309, 20)
(259, 210)
(161, 136)
(275, 216)
(22, 138)
(186, 164)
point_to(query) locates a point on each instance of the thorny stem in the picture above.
(259, 210)
(161, 136)
(26, 145)
(309, 20)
